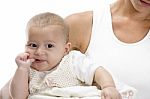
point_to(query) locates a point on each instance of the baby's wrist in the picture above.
(23, 68)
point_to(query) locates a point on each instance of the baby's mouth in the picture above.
(39, 61)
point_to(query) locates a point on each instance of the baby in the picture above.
(48, 63)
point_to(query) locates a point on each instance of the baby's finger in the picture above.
(30, 61)
(119, 96)
(108, 97)
(25, 56)
(102, 97)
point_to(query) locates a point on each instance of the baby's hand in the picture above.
(22, 60)
(110, 93)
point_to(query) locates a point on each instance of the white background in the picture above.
(14, 15)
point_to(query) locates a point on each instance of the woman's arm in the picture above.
(0, 94)
(5, 91)
(106, 82)
(103, 78)
(80, 25)
(14, 93)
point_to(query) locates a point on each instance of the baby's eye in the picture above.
(32, 45)
(50, 45)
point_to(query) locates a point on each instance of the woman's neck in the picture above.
(125, 8)
(129, 25)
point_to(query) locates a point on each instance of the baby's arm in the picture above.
(19, 83)
(105, 81)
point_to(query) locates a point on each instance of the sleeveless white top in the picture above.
(130, 63)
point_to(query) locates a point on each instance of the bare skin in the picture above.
(4, 92)
(129, 25)
(80, 24)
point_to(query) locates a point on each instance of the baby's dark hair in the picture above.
(47, 18)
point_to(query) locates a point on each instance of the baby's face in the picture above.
(47, 46)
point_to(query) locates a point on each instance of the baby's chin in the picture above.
(38, 68)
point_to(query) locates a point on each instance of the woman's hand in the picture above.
(110, 93)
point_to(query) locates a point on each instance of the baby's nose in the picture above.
(39, 51)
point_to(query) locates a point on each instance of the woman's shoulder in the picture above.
(80, 25)
(78, 16)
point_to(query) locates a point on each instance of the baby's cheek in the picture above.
(31, 53)
(30, 56)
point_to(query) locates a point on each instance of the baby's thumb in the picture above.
(102, 97)
(30, 61)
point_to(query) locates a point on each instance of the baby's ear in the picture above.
(67, 47)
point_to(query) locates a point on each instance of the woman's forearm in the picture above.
(103, 78)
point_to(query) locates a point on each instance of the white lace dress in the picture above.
(73, 70)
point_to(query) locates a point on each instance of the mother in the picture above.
(117, 36)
